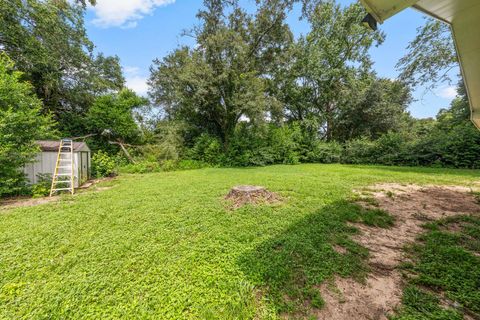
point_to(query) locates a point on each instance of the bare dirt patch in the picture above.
(340, 249)
(26, 202)
(348, 299)
(242, 195)
(412, 206)
(31, 202)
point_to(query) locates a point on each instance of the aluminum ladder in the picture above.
(63, 178)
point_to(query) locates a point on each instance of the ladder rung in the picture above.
(63, 174)
(62, 181)
(61, 189)
(64, 167)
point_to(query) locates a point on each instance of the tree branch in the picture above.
(125, 151)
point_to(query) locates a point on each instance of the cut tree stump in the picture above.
(241, 195)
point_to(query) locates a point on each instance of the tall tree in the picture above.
(375, 107)
(327, 63)
(49, 44)
(430, 56)
(225, 77)
(20, 124)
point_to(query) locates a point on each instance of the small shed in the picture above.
(46, 159)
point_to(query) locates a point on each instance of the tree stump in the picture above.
(241, 195)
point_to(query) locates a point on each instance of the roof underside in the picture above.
(52, 146)
(464, 17)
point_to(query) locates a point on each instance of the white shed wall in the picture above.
(45, 163)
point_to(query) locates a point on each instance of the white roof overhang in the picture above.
(464, 18)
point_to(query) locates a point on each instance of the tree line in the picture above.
(247, 93)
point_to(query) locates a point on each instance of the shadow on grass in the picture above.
(288, 268)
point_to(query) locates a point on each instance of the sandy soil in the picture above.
(411, 206)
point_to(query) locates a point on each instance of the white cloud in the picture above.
(131, 70)
(138, 84)
(124, 13)
(135, 81)
(447, 92)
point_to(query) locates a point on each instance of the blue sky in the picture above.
(139, 31)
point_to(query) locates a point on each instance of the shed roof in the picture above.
(51, 145)
(464, 17)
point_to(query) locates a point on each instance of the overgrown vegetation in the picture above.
(21, 122)
(102, 165)
(445, 272)
(43, 185)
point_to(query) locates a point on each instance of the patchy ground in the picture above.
(31, 202)
(411, 206)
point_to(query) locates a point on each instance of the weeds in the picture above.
(446, 262)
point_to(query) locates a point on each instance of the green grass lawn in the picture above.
(166, 246)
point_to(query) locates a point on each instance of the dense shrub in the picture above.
(425, 152)
(191, 164)
(141, 167)
(390, 149)
(359, 151)
(284, 145)
(207, 149)
(167, 143)
(169, 165)
(103, 165)
(248, 147)
(159, 152)
(42, 187)
(323, 152)
(264, 145)
(461, 147)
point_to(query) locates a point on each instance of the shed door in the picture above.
(83, 166)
